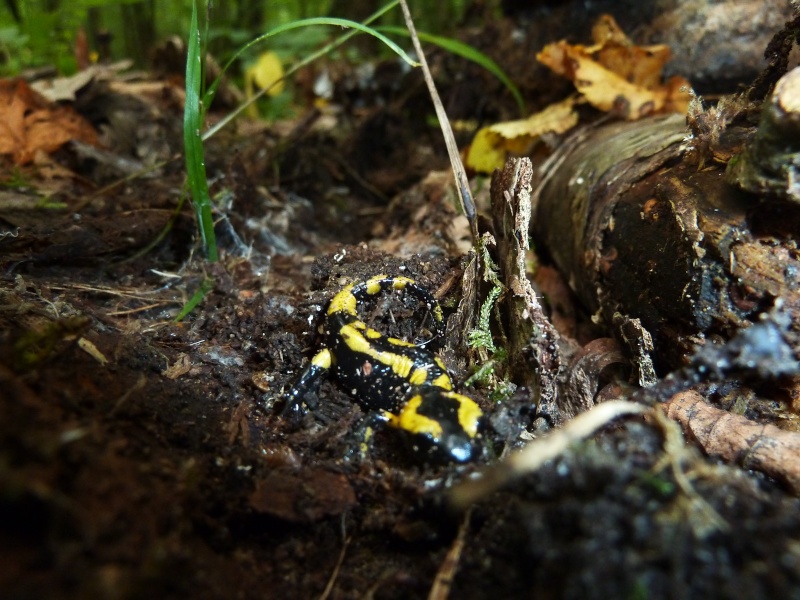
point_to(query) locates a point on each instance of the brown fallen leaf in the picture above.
(29, 123)
(615, 75)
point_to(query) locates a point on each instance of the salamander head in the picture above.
(442, 425)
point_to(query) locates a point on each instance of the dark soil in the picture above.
(141, 458)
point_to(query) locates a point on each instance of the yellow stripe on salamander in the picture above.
(344, 302)
(469, 413)
(419, 376)
(400, 365)
(398, 342)
(443, 381)
(322, 359)
(413, 422)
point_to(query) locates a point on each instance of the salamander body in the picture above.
(407, 385)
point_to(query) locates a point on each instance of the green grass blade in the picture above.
(468, 52)
(296, 67)
(193, 144)
(315, 21)
(197, 298)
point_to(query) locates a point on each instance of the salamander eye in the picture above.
(459, 448)
(453, 447)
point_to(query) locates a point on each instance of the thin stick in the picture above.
(539, 451)
(440, 590)
(467, 204)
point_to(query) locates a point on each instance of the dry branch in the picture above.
(735, 439)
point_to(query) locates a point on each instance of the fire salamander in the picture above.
(406, 384)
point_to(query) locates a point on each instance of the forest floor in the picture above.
(144, 457)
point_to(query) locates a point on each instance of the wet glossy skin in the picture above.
(406, 384)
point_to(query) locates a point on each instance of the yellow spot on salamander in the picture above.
(419, 376)
(398, 342)
(372, 334)
(344, 302)
(322, 359)
(469, 413)
(373, 284)
(443, 381)
(413, 422)
(400, 283)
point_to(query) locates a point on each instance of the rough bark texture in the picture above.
(770, 163)
(532, 340)
(734, 438)
(641, 232)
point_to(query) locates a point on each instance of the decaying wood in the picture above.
(532, 340)
(639, 231)
(770, 162)
(734, 438)
(581, 382)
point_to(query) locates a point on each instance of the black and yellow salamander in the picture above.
(407, 385)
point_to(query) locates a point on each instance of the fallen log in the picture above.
(643, 222)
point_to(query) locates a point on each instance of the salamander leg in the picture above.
(307, 382)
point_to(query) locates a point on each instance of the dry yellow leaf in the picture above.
(487, 152)
(607, 31)
(615, 75)
(492, 144)
(608, 91)
(556, 118)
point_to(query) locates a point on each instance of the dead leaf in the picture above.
(29, 123)
(492, 144)
(66, 88)
(486, 152)
(556, 118)
(616, 75)
(181, 366)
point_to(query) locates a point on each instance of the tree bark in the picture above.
(641, 233)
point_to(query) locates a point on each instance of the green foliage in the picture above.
(193, 116)
(472, 54)
(197, 298)
(45, 34)
(481, 336)
(330, 21)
